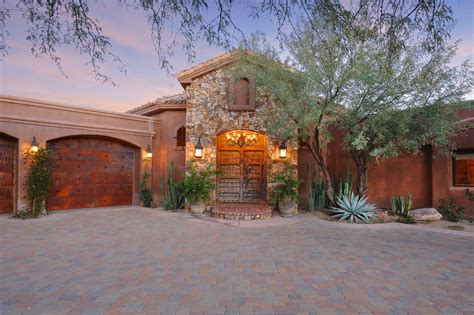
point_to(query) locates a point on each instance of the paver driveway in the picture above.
(148, 261)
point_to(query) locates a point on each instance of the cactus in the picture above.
(393, 200)
(401, 205)
(345, 188)
(409, 202)
(316, 191)
(170, 196)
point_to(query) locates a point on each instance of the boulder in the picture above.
(425, 214)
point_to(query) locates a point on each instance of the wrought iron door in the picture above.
(242, 172)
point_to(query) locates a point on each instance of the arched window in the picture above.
(181, 137)
(240, 94)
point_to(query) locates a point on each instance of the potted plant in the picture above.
(197, 186)
(285, 194)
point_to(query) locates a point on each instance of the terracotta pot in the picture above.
(197, 208)
(287, 208)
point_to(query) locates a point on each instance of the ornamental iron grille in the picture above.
(242, 167)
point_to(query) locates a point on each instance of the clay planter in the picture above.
(287, 208)
(197, 208)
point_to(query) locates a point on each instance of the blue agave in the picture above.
(353, 208)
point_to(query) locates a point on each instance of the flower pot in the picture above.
(197, 208)
(287, 208)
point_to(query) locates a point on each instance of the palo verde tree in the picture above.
(385, 103)
(51, 24)
(372, 80)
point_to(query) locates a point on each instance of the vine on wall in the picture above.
(39, 168)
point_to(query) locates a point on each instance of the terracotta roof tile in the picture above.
(179, 98)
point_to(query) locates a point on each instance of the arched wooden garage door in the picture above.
(91, 172)
(8, 151)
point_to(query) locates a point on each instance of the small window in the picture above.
(463, 168)
(242, 90)
(181, 137)
(240, 94)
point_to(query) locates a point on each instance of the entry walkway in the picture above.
(137, 260)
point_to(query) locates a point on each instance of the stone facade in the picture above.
(207, 116)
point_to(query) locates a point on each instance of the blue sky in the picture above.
(26, 76)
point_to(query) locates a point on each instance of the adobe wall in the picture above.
(442, 185)
(25, 118)
(428, 177)
(404, 174)
(165, 150)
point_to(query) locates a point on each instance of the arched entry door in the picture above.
(241, 162)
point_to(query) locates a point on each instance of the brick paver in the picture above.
(133, 260)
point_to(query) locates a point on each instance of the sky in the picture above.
(23, 75)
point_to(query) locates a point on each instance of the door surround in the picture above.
(242, 167)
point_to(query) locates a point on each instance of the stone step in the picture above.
(242, 212)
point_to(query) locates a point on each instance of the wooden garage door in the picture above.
(7, 172)
(91, 172)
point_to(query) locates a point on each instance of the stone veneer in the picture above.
(207, 116)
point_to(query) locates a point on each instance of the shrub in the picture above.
(172, 196)
(353, 208)
(450, 210)
(39, 168)
(287, 184)
(145, 192)
(197, 184)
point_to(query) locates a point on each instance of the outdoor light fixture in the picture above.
(283, 150)
(34, 145)
(198, 149)
(241, 138)
(149, 153)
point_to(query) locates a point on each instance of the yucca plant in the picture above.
(353, 208)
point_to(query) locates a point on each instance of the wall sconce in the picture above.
(149, 153)
(198, 149)
(283, 152)
(34, 145)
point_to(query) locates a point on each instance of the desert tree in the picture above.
(174, 24)
(388, 96)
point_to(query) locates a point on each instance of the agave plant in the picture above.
(353, 208)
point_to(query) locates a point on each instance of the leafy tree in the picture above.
(181, 24)
(388, 95)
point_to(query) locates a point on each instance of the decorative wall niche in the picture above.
(240, 94)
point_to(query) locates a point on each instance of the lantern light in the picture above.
(198, 149)
(149, 153)
(34, 145)
(283, 152)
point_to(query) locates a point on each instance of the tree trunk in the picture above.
(361, 161)
(314, 147)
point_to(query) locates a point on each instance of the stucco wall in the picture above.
(24, 118)
(165, 149)
(442, 185)
(207, 116)
(428, 177)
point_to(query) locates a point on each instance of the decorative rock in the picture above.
(425, 214)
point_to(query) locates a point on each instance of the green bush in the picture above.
(145, 192)
(198, 183)
(287, 184)
(450, 210)
(39, 168)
